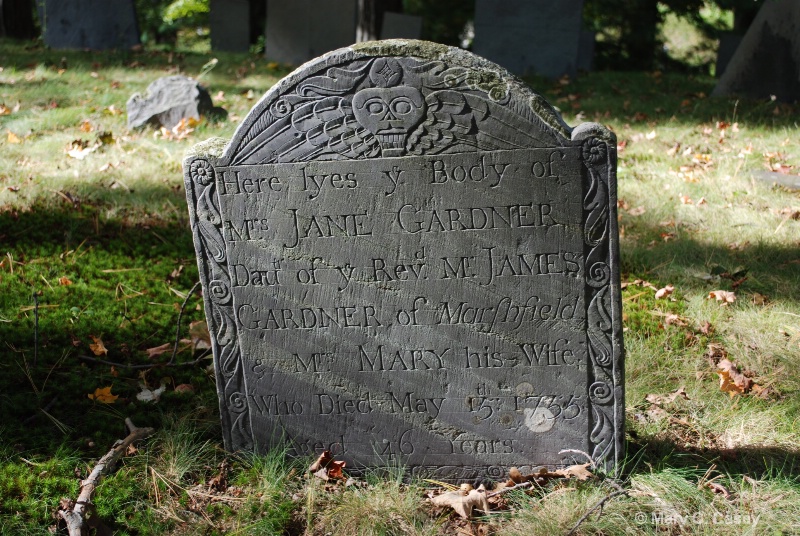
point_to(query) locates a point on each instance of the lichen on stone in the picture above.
(403, 47)
(212, 147)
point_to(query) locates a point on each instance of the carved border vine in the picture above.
(213, 264)
(599, 301)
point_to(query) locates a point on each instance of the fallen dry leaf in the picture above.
(463, 501)
(732, 381)
(668, 399)
(201, 338)
(158, 350)
(151, 395)
(724, 296)
(64, 281)
(103, 395)
(13, 138)
(326, 468)
(664, 292)
(98, 348)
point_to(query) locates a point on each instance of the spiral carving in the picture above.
(599, 275)
(280, 108)
(202, 172)
(237, 402)
(594, 151)
(600, 393)
(219, 291)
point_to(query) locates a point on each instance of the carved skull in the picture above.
(389, 113)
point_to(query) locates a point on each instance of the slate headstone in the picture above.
(767, 61)
(230, 25)
(401, 26)
(301, 30)
(93, 24)
(168, 100)
(407, 257)
(529, 36)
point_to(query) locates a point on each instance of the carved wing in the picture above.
(458, 121)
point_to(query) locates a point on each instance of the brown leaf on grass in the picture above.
(664, 292)
(724, 296)
(731, 381)
(64, 281)
(4, 110)
(326, 468)
(638, 211)
(718, 489)
(715, 353)
(156, 351)
(667, 399)
(201, 338)
(86, 126)
(12, 138)
(759, 299)
(706, 328)
(464, 501)
(103, 395)
(98, 348)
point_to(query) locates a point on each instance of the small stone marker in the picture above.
(169, 99)
(94, 24)
(408, 258)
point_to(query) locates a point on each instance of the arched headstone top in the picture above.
(394, 98)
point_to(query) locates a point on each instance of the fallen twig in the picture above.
(178, 328)
(147, 366)
(512, 488)
(75, 515)
(44, 410)
(599, 505)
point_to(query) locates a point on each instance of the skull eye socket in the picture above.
(402, 106)
(375, 106)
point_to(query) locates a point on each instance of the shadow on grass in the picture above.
(97, 279)
(757, 462)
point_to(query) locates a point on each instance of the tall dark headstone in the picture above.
(301, 30)
(93, 24)
(230, 25)
(401, 26)
(529, 36)
(409, 258)
(767, 61)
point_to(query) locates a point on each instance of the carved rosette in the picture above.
(605, 379)
(213, 264)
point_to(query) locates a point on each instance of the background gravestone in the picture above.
(401, 26)
(529, 36)
(767, 61)
(94, 24)
(407, 257)
(300, 30)
(230, 25)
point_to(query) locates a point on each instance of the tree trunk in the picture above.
(370, 17)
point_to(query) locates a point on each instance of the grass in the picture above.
(104, 243)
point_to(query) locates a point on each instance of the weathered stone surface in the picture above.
(230, 25)
(94, 24)
(401, 26)
(767, 61)
(301, 30)
(529, 36)
(408, 258)
(168, 100)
